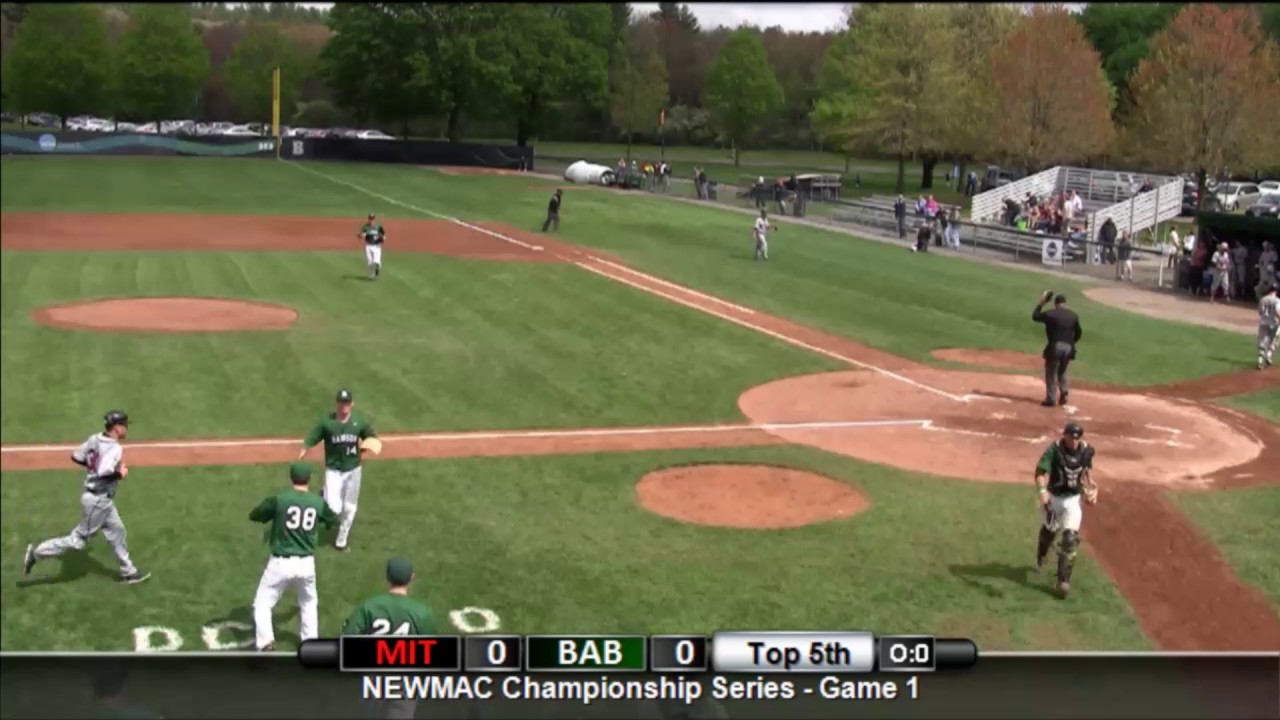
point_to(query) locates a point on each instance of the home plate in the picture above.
(1071, 409)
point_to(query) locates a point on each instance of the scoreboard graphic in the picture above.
(726, 652)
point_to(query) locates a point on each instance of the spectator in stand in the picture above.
(931, 208)
(1073, 207)
(1240, 268)
(1107, 241)
(1147, 185)
(1011, 210)
(900, 215)
(1124, 253)
(1221, 262)
(953, 228)
(920, 206)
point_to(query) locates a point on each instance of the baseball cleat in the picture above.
(1048, 403)
(341, 548)
(1062, 398)
(135, 577)
(269, 647)
(29, 560)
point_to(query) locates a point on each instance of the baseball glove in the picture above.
(371, 445)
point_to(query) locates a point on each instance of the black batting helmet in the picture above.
(115, 417)
(1074, 430)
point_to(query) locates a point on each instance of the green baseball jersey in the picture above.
(295, 518)
(372, 233)
(1065, 468)
(341, 440)
(390, 614)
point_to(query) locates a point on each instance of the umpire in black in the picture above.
(553, 212)
(1061, 333)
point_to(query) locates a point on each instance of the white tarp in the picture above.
(585, 173)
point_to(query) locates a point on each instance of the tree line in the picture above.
(1174, 86)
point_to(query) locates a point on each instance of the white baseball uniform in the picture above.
(762, 242)
(1268, 325)
(102, 457)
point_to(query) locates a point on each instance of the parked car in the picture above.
(77, 122)
(40, 119)
(148, 128)
(1269, 187)
(585, 173)
(240, 131)
(1267, 206)
(373, 135)
(8, 117)
(126, 127)
(1191, 198)
(1237, 195)
(999, 177)
(220, 127)
(100, 125)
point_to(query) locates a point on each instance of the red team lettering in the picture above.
(402, 653)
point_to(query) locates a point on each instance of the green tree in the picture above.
(639, 80)
(742, 91)
(979, 27)
(892, 83)
(555, 52)
(377, 64)
(60, 62)
(161, 63)
(248, 72)
(1122, 32)
(469, 57)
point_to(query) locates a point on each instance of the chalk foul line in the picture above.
(613, 275)
(501, 435)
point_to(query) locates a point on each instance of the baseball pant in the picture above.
(342, 494)
(1266, 344)
(1056, 382)
(373, 255)
(552, 221)
(1064, 512)
(762, 248)
(1222, 280)
(280, 574)
(97, 512)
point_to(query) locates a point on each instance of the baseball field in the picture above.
(625, 426)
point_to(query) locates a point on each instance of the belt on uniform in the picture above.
(289, 557)
(101, 491)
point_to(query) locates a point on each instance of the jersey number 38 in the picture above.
(298, 518)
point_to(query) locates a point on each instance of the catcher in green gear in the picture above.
(1063, 474)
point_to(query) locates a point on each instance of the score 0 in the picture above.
(494, 653)
(678, 653)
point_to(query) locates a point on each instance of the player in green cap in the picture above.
(392, 612)
(342, 432)
(295, 516)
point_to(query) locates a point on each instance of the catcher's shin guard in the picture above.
(1042, 547)
(1067, 555)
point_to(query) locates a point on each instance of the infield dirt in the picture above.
(981, 426)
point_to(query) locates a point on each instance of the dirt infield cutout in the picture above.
(167, 315)
(999, 359)
(755, 497)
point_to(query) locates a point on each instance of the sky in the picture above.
(795, 17)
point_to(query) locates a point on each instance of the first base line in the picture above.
(503, 435)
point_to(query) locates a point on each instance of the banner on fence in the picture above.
(1051, 251)
(94, 143)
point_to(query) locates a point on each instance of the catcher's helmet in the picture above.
(115, 417)
(1073, 430)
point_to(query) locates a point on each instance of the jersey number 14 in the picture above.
(298, 518)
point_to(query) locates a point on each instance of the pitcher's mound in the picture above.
(170, 314)
(747, 496)
(1001, 359)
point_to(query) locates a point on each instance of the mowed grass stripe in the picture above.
(556, 545)
(436, 344)
(876, 293)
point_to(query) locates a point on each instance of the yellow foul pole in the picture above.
(275, 109)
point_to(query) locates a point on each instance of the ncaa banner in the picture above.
(1051, 251)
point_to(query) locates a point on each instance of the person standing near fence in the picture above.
(953, 227)
(1240, 268)
(1124, 256)
(1267, 265)
(1221, 263)
(900, 215)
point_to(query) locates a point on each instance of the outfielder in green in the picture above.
(343, 433)
(1062, 475)
(392, 612)
(295, 516)
(373, 235)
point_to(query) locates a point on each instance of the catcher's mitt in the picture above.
(371, 445)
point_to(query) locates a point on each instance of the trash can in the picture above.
(800, 203)
(711, 189)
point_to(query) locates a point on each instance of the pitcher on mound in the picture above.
(344, 434)
(1062, 475)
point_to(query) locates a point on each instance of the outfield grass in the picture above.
(1242, 523)
(555, 545)
(876, 293)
